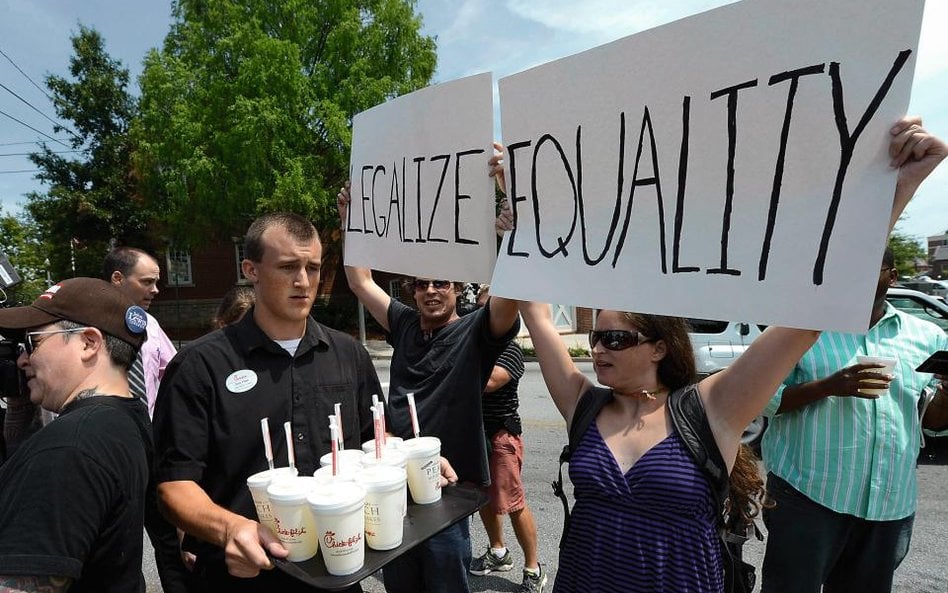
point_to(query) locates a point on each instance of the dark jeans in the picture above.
(438, 565)
(808, 545)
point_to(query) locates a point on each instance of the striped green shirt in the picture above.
(853, 455)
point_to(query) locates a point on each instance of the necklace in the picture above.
(647, 395)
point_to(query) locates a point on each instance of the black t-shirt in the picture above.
(447, 373)
(217, 388)
(72, 497)
(500, 407)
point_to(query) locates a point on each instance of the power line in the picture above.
(42, 90)
(29, 153)
(34, 129)
(31, 106)
(22, 143)
(20, 171)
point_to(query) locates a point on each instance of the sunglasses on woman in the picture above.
(617, 339)
(438, 284)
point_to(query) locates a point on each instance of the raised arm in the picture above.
(370, 294)
(915, 153)
(564, 381)
(245, 542)
(739, 393)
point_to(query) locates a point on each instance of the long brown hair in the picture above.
(748, 495)
(677, 368)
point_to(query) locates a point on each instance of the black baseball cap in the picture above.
(88, 301)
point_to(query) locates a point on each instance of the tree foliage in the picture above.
(247, 107)
(907, 250)
(92, 198)
(27, 253)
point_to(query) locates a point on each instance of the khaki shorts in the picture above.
(506, 462)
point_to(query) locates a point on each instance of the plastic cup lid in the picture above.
(266, 476)
(344, 457)
(336, 497)
(389, 457)
(291, 490)
(421, 446)
(381, 478)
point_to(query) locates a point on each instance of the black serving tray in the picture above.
(422, 522)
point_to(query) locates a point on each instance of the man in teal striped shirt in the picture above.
(841, 462)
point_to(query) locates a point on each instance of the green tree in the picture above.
(27, 253)
(248, 106)
(92, 198)
(907, 250)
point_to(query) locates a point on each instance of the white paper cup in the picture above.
(258, 483)
(339, 510)
(424, 468)
(384, 499)
(295, 525)
(345, 458)
(390, 443)
(889, 366)
(392, 458)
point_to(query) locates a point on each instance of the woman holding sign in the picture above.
(645, 517)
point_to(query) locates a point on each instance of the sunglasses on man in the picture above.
(617, 339)
(421, 285)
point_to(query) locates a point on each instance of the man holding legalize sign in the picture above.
(445, 361)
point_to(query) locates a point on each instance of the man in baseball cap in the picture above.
(72, 496)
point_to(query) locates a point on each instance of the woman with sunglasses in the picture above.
(645, 517)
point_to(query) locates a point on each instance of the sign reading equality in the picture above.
(422, 201)
(732, 165)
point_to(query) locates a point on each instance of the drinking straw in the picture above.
(338, 409)
(377, 422)
(289, 444)
(381, 406)
(414, 414)
(333, 436)
(267, 447)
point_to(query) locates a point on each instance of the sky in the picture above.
(499, 36)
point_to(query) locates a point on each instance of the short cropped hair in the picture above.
(298, 227)
(122, 259)
(121, 353)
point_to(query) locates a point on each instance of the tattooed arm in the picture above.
(33, 584)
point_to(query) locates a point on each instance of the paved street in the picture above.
(925, 570)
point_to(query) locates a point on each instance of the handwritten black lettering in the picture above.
(731, 94)
(636, 182)
(847, 143)
(458, 196)
(560, 241)
(434, 208)
(515, 198)
(794, 77)
(375, 218)
(682, 178)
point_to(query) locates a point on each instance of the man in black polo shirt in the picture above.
(72, 497)
(278, 363)
(445, 360)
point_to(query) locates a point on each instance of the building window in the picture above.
(239, 257)
(179, 267)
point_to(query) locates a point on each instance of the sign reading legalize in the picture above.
(422, 202)
(731, 165)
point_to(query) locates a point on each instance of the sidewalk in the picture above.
(380, 350)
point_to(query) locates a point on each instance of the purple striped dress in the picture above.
(652, 529)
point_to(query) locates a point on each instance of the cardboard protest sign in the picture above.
(731, 165)
(422, 201)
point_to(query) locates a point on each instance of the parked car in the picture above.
(716, 345)
(921, 305)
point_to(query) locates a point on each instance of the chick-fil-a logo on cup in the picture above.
(330, 540)
(136, 320)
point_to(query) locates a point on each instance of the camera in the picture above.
(9, 373)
